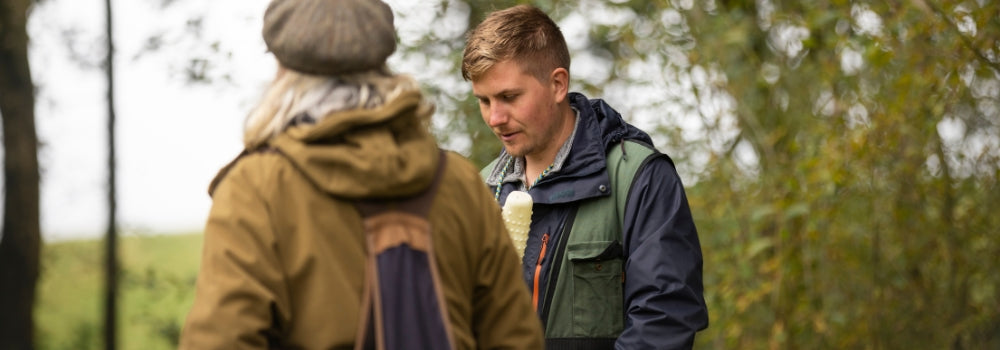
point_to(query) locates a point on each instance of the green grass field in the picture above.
(157, 288)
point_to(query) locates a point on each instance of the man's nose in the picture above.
(497, 115)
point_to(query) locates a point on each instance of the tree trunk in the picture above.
(111, 247)
(21, 240)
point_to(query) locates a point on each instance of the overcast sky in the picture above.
(173, 136)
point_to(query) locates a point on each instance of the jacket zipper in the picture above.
(538, 270)
(556, 264)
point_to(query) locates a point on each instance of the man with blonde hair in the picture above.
(613, 258)
(294, 255)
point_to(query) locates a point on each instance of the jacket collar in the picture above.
(583, 174)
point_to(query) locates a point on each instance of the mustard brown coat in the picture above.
(283, 257)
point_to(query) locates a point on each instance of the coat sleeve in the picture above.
(663, 272)
(239, 286)
(503, 316)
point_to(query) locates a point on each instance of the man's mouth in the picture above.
(507, 136)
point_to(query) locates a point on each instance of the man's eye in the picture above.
(484, 101)
(509, 97)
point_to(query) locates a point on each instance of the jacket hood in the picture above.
(583, 172)
(610, 125)
(371, 153)
(600, 127)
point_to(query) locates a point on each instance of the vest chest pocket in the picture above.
(597, 288)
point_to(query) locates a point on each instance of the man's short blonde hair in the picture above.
(521, 33)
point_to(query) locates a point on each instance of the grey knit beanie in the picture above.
(329, 37)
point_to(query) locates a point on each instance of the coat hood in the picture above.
(367, 153)
(599, 127)
(605, 122)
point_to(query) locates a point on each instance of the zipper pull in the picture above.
(538, 270)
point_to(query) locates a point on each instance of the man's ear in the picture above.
(559, 80)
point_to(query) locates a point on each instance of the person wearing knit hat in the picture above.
(284, 255)
(330, 37)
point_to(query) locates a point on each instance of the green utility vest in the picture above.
(585, 307)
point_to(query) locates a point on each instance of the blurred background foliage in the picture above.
(841, 159)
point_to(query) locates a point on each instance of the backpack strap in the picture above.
(624, 162)
(403, 306)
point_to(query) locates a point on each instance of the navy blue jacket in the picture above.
(664, 305)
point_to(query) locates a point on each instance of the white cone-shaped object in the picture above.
(517, 216)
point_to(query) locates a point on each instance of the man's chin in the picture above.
(516, 152)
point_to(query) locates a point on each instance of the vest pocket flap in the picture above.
(596, 286)
(594, 251)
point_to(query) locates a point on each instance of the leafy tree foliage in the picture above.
(842, 156)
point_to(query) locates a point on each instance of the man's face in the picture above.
(521, 110)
